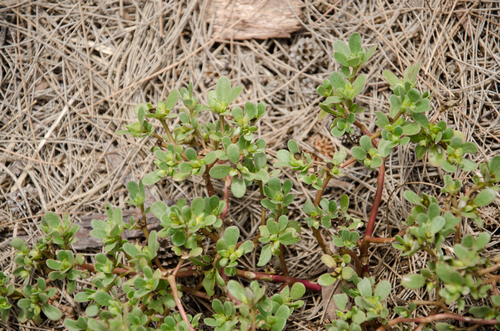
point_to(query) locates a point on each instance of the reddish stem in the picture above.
(211, 235)
(359, 266)
(208, 181)
(173, 285)
(348, 162)
(380, 240)
(277, 279)
(437, 318)
(365, 131)
(373, 217)
(194, 292)
(227, 184)
(116, 271)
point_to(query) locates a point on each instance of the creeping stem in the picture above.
(277, 279)
(227, 185)
(175, 293)
(371, 221)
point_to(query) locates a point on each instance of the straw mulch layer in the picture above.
(71, 73)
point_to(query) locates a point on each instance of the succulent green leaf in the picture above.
(238, 187)
(340, 301)
(358, 85)
(383, 289)
(233, 152)
(102, 298)
(237, 291)
(347, 273)
(365, 287)
(265, 255)
(437, 155)
(326, 280)
(342, 48)
(366, 143)
(359, 153)
(293, 147)
(485, 197)
(17, 243)
(220, 171)
(413, 281)
(297, 291)
(391, 78)
(51, 312)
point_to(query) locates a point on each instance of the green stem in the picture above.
(222, 124)
(169, 133)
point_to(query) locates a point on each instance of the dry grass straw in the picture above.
(71, 72)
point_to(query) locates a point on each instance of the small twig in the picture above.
(379, 240)
(488, 270)
(430, 303)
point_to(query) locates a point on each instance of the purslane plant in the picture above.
(128, 288)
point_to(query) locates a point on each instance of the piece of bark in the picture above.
(256, 19)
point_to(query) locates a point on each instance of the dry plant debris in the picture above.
(71, 72)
